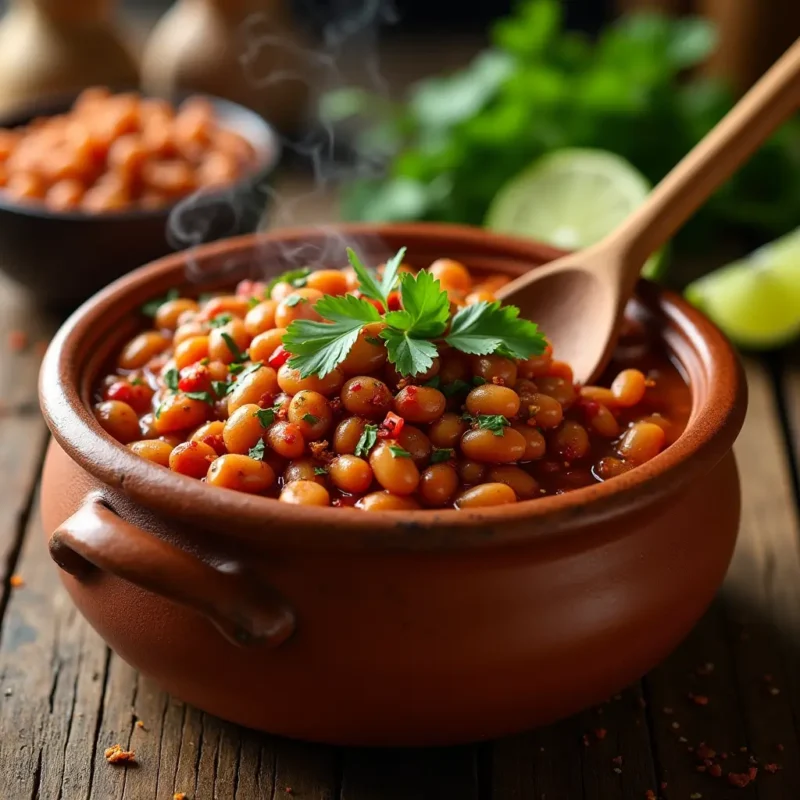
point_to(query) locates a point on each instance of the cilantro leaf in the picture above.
(485, 328)
(367, 441)
(266, 416)
(317, 348)
(220, 320)
(204, 397)
(398, 452)
(150, 308)
(171, 378)
(390, 273)
(258, 450)
(442, 454)
(233, 347)
(493, 422)
(296, 278)
(367, 279)
(410, 356)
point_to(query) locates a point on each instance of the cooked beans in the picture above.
(209, 392)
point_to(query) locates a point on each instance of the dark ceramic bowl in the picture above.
(63, 258)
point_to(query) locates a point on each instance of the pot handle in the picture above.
(95, 537)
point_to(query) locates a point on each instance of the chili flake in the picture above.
(179, 796)
(139, 724)
(393, 424)
(617, 760)
(280, 355)
(649, 795)
(739, 779)
(704, 751)
(600, 733)
(116, 755)
(715, 770)
(771, 768)
(698, 699)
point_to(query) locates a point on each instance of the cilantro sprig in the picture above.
(412, 334)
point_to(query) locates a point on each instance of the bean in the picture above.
(168, 313)
(211, 434)
(347, 434)
(311, 413)
(286, 439)
(537, 366)
(600, 395)
(455, 367)
(118, 419)
(179, 413)
(303, 469)
(398, 475)
(258, 387)
(147, 426)
(190, 351)
(365, 356)
(560, 369)
(241, 473)
(265, 344)
(328, 281)
(601, 421)
(243, 430)
(420, 403)
(393, 377)
(219, 346)
(610, 467)
(495, 369)
(535, 446)
(139, 396)
(641, 442)
(479, 296)
(471, 472)
(487, 494)
(141, 349)
(65, 195)
(386, 501)
(524, 485)
(188, 330)
(413, 440)
(438, 485)
(153, 450)
(366, 397)
(491, 399)
(629, 387)
(559, 389)
(305, 493)
(298, 305)
(451, 274)
(350, 474)
(290, 381)
(526, 389)
(192, 459)
(217, 370)
(447, 430)
(483, 445)
(571, 441)
(261, 318)
(232, 304)
(545, 411)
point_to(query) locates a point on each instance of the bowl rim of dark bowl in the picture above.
(268, 154)
(718, 407)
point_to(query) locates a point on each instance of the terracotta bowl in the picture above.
(429, 627)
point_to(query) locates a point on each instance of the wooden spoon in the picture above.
(578, 301)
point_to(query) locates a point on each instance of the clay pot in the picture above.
(347, 627)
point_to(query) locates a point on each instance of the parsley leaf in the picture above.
(266, 416)
(493, 422)
(409, 356)
(233, 347)
(258, 450)
(317, 348)
(220, 320)
(398, 452)
(390, 274)
(296, 278)
(205, 397)
(320, 471)
(367, 279)
(150, 308)
(171, 378)
(294, 299)
(441, 454)
(485, 328)
(457, 386)
(222, 388)
(367, 441)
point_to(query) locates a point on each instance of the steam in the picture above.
(348, 42)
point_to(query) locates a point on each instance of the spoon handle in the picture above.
(770, 102)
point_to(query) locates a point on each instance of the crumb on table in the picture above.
(180, 796)
(16, 581)
(116, 755)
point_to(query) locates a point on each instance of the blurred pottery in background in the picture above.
(244, 50)
(51, 47)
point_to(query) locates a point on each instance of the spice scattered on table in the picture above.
(17, 340)
(180, 796)
(715, 771)
(140, 724)
(16, 581)
(116, 755)
(698, 699)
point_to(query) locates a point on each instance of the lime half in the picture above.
(755, 301)
(571, 199)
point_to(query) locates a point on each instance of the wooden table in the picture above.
(733, 684)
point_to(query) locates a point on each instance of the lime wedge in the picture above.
(571, 199)
(755, 301)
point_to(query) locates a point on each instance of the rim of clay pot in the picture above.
(707, 359)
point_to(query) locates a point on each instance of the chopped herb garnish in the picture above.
(237, 354)
(294, 299)
(367, 441)
(257, 451)
(398, 452)
(159, 410)
(171, 379)
(310, 419)
(441, 454)
(249, 370)
(297, 278)
(478, 381)
(137, 382)
(252, 302)
(266, 416)
(235, 367)
(220, 320)
(320, 471)
(456, 387)
(434, 382)
(150, 308)
(493, 422)
(222, 388)
(205, 397)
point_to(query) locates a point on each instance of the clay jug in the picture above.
(50, 47)
(230, 48)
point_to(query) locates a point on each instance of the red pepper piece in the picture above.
(394, 301)
(195, 378)
(280, 355)
(393, 424)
